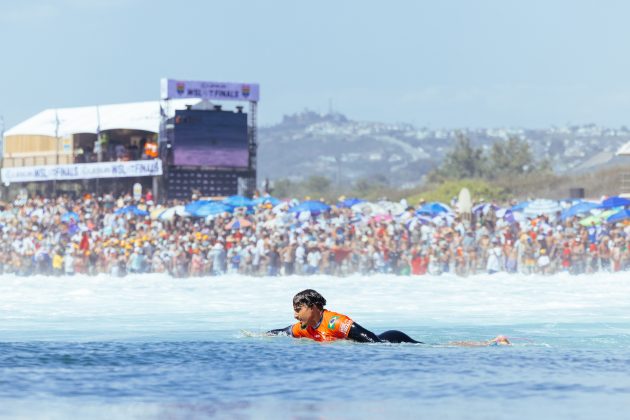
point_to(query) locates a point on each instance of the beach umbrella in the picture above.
(194, 205)
(484, 208)
(280, 208)
(597, 218)
(140, 212)
(614, 202)
(155, 213)
(238, 223)
(423, 220)
(238, 201)
(170, 213)
(312, 206)
(541, 207)
(68, 216)
(349, 202)
(211, 208)
(368, 209)
(520, 206)
(619, 216)
(433, 209)
(304, 216)
(133, 210)
(506, 214)
(266, 200)
(579, 208)
(391, 207)
(443, 219)
(404, 217)
(379, 218)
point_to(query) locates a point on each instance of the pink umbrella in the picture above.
(382, 218)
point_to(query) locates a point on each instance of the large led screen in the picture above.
(210, 138)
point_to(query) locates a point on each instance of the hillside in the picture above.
(309, 143)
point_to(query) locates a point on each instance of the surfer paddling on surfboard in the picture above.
(320, 324)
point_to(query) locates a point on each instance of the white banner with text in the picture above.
(175, 89)
(82, 171)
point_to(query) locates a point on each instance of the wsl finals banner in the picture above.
(176, 89)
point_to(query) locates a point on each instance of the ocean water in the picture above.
(150, 346)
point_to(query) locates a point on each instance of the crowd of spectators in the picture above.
(38, 237)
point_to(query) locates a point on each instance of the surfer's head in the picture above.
(308, 297)
(308, 306)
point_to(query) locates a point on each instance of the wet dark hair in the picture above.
(308, 297)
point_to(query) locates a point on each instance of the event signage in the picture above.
(175, 89)
(82, 171)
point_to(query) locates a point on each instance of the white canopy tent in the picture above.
(624, 150)
(64, 122)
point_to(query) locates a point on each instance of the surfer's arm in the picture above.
(361, 335)
(282, 331)
(499, 340)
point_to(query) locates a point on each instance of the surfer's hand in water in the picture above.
(499, 340)
(281, 331)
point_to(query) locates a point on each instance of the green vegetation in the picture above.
(446, 190)
(505, 159)
(463, 161)
(504, 171)
(318, 186)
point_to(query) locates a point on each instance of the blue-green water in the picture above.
(151, 347)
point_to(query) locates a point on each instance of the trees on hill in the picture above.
(463, 161)
(504, 160)
(505, 168)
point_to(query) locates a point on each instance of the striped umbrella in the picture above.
(542, 207)
(238, 223)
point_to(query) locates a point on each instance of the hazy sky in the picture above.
(442, 63)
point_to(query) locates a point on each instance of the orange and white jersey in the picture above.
(334, 326)
(151, 149)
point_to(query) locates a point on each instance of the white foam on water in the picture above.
(83, 307)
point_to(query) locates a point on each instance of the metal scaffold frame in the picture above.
(253, 143)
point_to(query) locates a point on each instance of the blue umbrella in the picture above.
(579, 208)
(541, 206)
(133, 210)
(433, 209)
(619, 216)
(614, 202)
(211, 208)
(67, 217)
(264, 200)
(238, 201)
(520, 206)
(194, 205)
(419, 218)
(349, 202)
(484, 208)
(507, 215)
(315, 207)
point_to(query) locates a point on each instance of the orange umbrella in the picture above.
(238, 223)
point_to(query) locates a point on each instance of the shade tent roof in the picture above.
(90, 119)
(624, 150)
